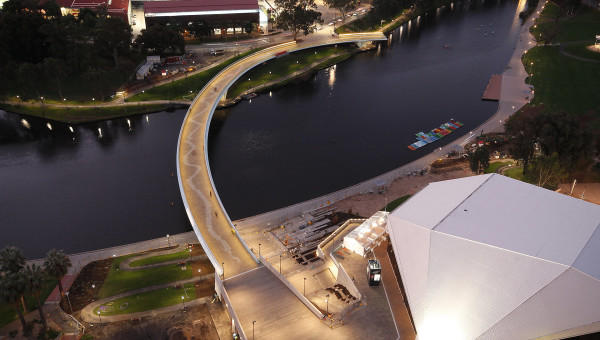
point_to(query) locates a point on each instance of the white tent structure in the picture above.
(489, 257)
(367, 235)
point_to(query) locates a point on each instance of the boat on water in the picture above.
(435, 134)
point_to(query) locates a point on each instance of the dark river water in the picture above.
(349, 123)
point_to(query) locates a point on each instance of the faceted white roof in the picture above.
(489, 257)
(513, 215)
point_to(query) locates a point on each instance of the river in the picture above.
(349, 123)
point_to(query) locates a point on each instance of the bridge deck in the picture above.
(205, 211)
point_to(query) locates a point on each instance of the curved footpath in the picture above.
(87, 313)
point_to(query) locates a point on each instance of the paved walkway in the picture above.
(565, 53)
(88, 315)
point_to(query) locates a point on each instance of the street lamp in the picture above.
(69, 300)
(182, 305)
(259, 250)
(99, 317)
(305, 287)
(93, 287)
(327, 300)
(279, 263)
(253, 329)
(223, 266)
(190, 254)
(168, 240)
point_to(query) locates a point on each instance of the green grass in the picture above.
(581, 50)
(516, 173)
(564, 84)
(395, 203)
(280, 67)
(180, 89)
(584, 26)
(119, 281)
(494, 166)
(149, 300)
(184, 254)
(7, 312)
(82, 115)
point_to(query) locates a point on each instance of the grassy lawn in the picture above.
(494, 166)
(119, 281)
(180, 89)
(395, 203)
(584, 26)
(82, 115)
(149, 300)
(581, 50)
(516, 173)
(563, 83)
(280, 67)
(7, 312)
(184, 254)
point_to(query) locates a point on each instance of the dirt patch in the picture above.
(196, 323)
(81, 292)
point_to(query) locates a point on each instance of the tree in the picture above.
(113, 37)
(563, 134)
(546, 170)
(479, 160)
(10, 292)
(32, 278)
(12, 261)
(297, 15)
(159, 38)
(343, 6)
(57, 265)
(248, 27)
(523, 129)
(549, 33)
(56, 72)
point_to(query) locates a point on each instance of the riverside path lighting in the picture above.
(223, 266)
(304, 287)
(99, 317)
(253, 329)
(279, 263)
(259, 250)
(68, 300)
(327, 300)
(182, 305)
(168, 240)
(190, 253)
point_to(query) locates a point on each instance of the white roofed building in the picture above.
(489, 257)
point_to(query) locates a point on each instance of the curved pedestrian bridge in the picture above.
(209, 219)
(244, 284)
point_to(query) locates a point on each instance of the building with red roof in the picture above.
(114, 8)
(224, 13)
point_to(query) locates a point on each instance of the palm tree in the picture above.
(11, 261)
(57, 265)
(10, 292)
(32, 278)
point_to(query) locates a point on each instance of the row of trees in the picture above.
(550, 144)
(18, 278)
(42, 49)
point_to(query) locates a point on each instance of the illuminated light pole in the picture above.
(305, 287)
(168, 240)
(253, 329)
(190, 254)
(99, 317)
(223, 266)
(69, 300)
(182, 305)
(279, 263)
(259, 250)
(327, 300)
